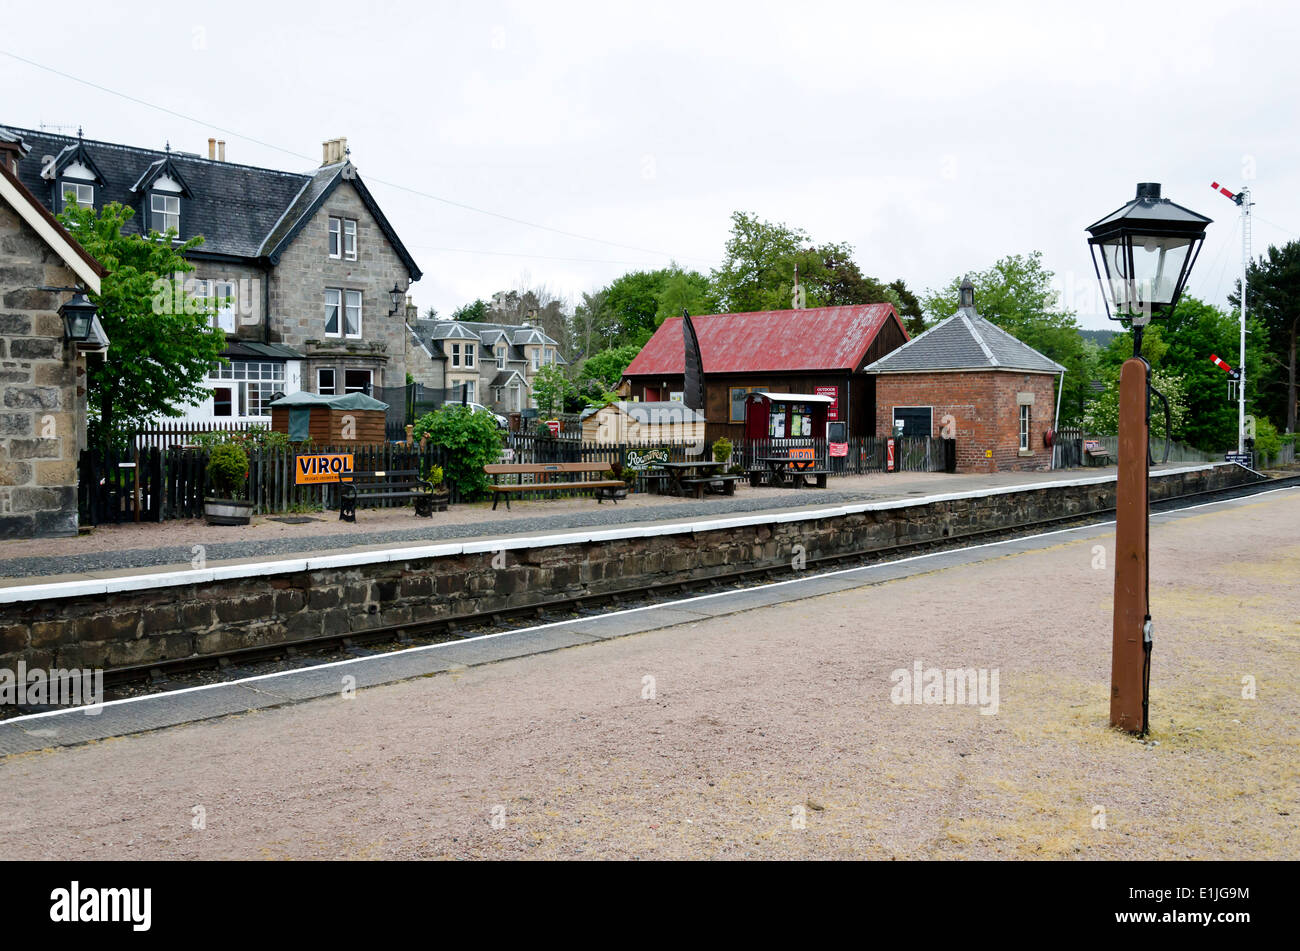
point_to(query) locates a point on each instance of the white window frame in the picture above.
(1026, 423)
(469, 356)
(534, 359)
(166, 213)
(348, 298)
(77, 189)
(349, 239)
(500, 353)
(321, 388)
(338, 312)
(335, 246)
(250, 382)
(455, 355)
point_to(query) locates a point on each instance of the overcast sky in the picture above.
(932, 137)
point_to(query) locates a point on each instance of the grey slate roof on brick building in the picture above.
(240, 210)
(965, 341)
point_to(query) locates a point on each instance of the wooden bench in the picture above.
(554, 477)
(366, 488)
(1094, 453)
(699, 485)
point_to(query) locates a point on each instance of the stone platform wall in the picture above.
(161, 623)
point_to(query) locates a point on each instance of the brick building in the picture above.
(1000, 393)
(818, 350)
(303, 263)
(42, 375)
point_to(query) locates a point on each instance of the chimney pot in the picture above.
(221, 150)
(212, 147)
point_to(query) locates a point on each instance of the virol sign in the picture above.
(323, 467)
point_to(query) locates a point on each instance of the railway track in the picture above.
(160, 675)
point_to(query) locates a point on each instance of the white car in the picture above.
(501, 421)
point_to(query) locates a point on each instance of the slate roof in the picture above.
(240, 210)
(965, 341)
(431, 333)
(818, 338)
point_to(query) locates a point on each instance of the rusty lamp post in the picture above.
(1142, 253)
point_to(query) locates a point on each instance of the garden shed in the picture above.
(659, 421)
(330, 420)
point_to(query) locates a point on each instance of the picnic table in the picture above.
(798, 467)
(693, 474)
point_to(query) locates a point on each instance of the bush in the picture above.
(228, 471)
(722, 450)
(1267, 441)
(737, 469)
(434, 475)
(471, 441)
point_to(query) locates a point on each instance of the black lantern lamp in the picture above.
(398, 297)
(78, 315)
(1146, 249)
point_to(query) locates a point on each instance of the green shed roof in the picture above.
(347, 401)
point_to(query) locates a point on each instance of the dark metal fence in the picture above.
(154, 484)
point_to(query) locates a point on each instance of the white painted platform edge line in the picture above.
(611, 614)
(479, 545)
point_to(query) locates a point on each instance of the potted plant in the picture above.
(228, 478)
(441, 494)
(611, 491)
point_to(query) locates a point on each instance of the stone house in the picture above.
(993, 393)
(302, 266)
(42, 374)
(495, 363)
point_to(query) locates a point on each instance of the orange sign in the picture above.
(323, 467)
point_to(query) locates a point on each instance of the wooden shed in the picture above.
(624, 422)
(330, 420)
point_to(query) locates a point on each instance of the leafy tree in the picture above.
(607, 366)
(1016, 295)
(472, 441)
(431, 313)
(1102, 416)
(688, 291)
(552, 389)
(476, 310)
(1179, 348)
(595, 326)
(163, 341)
(908, 307)
(1273, 295)
(757, 271)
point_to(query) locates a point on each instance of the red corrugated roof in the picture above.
(819, 338)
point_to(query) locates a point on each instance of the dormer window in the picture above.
(501, 358)
(78, 193)
(164, 212)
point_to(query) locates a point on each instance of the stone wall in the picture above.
(40, 409)
(142, 626)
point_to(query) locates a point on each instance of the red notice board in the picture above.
(832, 411)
